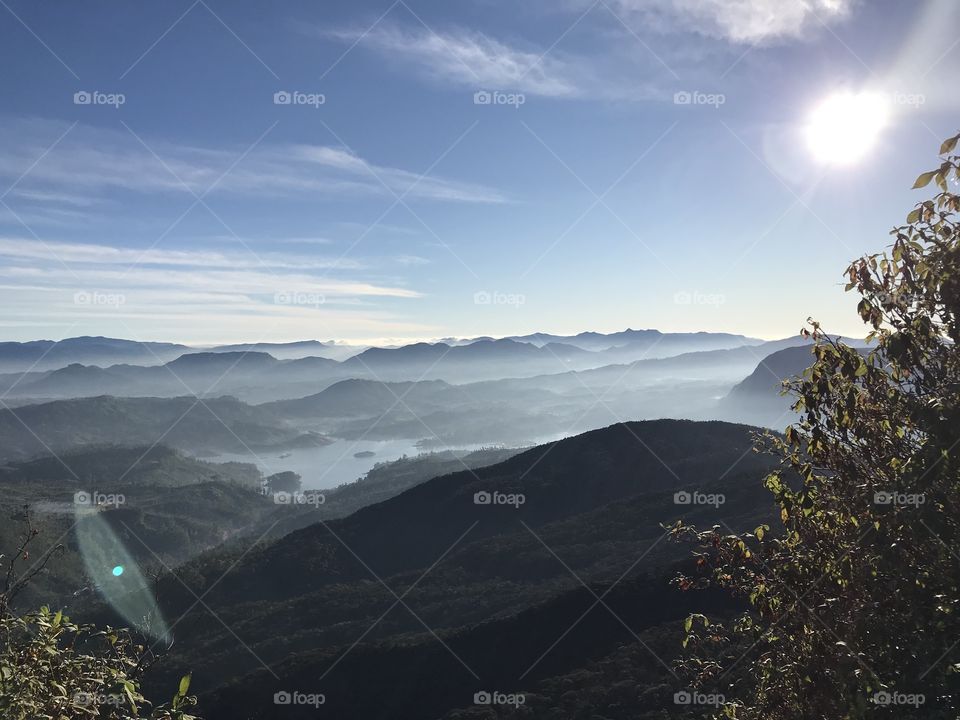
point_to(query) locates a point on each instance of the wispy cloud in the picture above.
(739, 21)
(191, 293)
(60, 266)
(25, 249)
(411, 260)
(305, 241)
(469, 58)
(357, 227)
(214, 283)
(54, 197)
(399, 181)
(103, 161)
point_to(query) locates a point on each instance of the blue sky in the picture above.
(388, 202)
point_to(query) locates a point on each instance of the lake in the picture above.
(331, 465)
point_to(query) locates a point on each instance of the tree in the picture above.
(53, 668)
(853, 604)
(286, 481)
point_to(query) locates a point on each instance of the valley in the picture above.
(468, 499)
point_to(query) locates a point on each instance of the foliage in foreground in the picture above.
(54, 669)
(854, 605)
(51, 668)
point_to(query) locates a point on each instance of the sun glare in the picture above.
(846, 126)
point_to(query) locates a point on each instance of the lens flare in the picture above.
(116, 576)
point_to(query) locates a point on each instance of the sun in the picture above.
(844, 127)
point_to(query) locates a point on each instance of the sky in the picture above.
(206, 171)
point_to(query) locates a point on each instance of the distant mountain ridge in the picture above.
(309, 347)
(604, 341)
(216, 425)
(52, 354)
(242, 372)
(354, 397)
(294, 350)
(757, 398)
(45, 355)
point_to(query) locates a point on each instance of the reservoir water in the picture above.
(331, 465)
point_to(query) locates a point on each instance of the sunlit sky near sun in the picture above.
(218, 171)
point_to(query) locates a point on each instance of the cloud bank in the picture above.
(739, 21)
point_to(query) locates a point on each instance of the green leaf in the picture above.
(924, 179)
(130, 696)
(184, 685)
(949, 145)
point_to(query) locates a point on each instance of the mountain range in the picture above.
(579, 516)
(44, 355)
(201, 428)
(258, 377)
(436, 412)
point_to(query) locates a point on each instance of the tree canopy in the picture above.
(853, 603)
